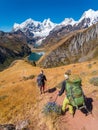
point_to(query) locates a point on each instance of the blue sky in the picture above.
(17, 11)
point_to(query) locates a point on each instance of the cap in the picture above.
(66, 76)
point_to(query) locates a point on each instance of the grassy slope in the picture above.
(20, 99)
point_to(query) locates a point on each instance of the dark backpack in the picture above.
(74, 91)
(40, 79)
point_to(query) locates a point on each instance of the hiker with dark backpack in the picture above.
(41, 78)
(74, 94)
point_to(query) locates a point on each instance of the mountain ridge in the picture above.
(43, 29)
(78, 46)
(12, 47)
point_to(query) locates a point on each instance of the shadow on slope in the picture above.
(51, 90)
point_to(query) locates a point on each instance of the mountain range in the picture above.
(68, 42)
(37, 31)
(66, 46)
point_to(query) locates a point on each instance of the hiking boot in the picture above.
(62, 112)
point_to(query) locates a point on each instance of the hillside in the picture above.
(21, 103)
(12, 46)
(78, 46)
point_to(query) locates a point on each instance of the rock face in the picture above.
(22, 125)
(7, 127)
(12, 47)
(81, 46)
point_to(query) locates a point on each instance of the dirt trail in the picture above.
(80, 121)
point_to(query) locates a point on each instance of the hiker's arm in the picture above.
(62, 89)
(45, 77)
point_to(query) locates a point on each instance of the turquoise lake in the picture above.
(34, 56)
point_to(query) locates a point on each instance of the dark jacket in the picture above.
(41, 78)
(63, 88)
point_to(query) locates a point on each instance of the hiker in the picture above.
(66, 101)
(41, 78)
(75, 97)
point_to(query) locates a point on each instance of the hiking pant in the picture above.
(65, 104)
(42, 87)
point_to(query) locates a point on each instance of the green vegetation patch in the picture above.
(52, 107)
(95, 72)
(89, 66)
(94, 81)
(3, 97)
(29, 77)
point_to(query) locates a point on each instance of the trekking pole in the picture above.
(56, 98)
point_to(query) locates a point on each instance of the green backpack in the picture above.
(74, 91)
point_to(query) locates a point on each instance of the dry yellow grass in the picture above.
(19, 98)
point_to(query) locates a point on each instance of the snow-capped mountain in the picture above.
(88, 18)
(91, 15)
(67, 21)
(37, 31)
(37, 28)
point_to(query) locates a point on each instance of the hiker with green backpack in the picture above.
(74, 94)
